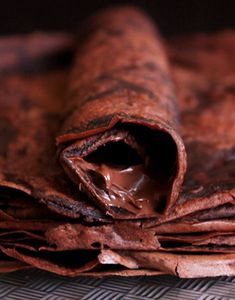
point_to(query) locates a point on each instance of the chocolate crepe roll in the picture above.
(120, 134)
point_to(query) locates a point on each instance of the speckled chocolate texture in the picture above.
(123, 86)
(134, 92)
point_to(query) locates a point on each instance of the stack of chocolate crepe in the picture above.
(117, 150)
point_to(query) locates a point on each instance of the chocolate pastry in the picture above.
(115, 195)
(120, 137)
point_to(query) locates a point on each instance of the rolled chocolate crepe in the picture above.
(120, 138)
(121, 141)
(30, 174)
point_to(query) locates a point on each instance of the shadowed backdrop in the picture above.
(172, 16)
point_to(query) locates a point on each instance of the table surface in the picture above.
(35, 284)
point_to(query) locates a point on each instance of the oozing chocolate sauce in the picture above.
(126, 187)
(129, 184)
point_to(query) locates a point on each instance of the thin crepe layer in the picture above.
(35, 231)
(185, 226)
(11, 265)
(121, 94)
(95, 265)
(50, 232)
(184, 266)
(220, 218)
(24, 215)
(117, 236)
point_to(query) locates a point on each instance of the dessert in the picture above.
(120, 162)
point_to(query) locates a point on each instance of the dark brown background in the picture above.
(172, 16)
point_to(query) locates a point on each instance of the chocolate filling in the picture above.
(130, 170)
